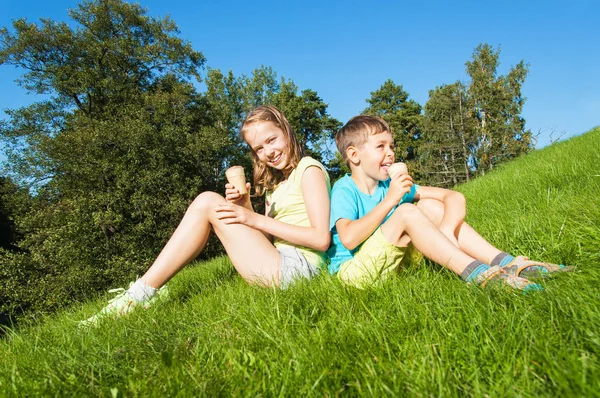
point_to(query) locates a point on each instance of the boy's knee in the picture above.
(407, 212)
(433, 209)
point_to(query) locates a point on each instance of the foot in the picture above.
(497, 274)
(522, 266)
(122, 304)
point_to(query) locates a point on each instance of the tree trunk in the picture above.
(462, 136)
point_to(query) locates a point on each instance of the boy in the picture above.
(373, 219)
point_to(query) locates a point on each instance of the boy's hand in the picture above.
(399, 186)
(232, 195)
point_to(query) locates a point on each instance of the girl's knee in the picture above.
(206, 201)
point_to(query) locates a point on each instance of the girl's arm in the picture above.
(316, 199)
(267, 211)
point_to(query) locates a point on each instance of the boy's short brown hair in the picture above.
(357, 131)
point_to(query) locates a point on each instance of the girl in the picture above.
(297, 216)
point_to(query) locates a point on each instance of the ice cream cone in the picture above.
(235, 175)
(397, 168)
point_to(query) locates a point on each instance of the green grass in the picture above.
(424, 333)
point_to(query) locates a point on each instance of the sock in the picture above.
(502, 259)
(140, 291)
(473, 270)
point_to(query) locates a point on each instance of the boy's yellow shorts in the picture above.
(373, 263)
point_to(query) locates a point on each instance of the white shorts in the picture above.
(294, 266)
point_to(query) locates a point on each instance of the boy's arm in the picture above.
(455, 207)
(354, 232)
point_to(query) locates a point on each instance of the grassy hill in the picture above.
(423, 334)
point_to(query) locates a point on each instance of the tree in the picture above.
(13, 203)
(114, 156)
(116, 52)
(306, 111)
(403, 115)
(232, 98)
(468, 129)
(307, 114)
(496, 104)
(122, 146)
(448, 137)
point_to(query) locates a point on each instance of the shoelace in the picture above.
(119, 289)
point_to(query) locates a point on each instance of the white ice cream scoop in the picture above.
(397, 168)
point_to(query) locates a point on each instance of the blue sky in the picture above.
(344, 50)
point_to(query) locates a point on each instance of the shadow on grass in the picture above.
(6, 324)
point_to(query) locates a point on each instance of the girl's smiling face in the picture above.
(269, 143)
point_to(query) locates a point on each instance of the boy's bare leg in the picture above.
(409, 224)
(252, 254)
(468, 239)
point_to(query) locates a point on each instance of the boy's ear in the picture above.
(352, 155)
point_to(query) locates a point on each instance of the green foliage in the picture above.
(497, 103)
(468, 130)
(448, 137)
(391, 103)
(123, 186)
(337, 168)
(115, 51)
(13, 202)
(424, 333)
(115, 155)
(122, 146)
(306, 112)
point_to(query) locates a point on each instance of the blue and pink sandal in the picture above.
(497, 275)
(522, 266)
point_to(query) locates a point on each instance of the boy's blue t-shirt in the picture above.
(348, 202)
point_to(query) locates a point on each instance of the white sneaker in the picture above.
(122, 304)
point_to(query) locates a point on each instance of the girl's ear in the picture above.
(352, 155)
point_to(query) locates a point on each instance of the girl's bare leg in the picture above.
(409, 224)
(469, 240)
(251, 253)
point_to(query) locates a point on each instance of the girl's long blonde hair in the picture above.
(267, 178)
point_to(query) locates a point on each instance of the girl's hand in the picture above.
(231, 213)
(232, 195)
